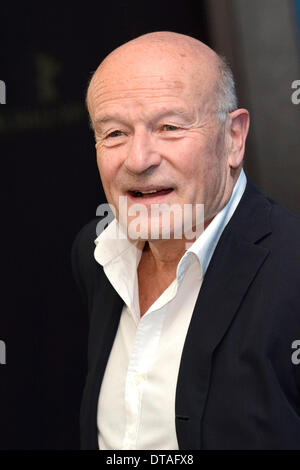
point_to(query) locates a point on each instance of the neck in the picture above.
(164, 255)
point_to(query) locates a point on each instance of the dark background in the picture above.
(51, 188)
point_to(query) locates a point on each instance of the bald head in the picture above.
(163, 44)
(152, 53)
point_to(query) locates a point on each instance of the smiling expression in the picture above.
(158, 137)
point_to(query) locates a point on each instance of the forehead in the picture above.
(148, 91)
(147, 78)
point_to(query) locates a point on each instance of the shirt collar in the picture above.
(112, 243)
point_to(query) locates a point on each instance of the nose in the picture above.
(142, 153)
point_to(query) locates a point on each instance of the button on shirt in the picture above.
(136, 406)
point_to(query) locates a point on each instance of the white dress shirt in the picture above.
(136, 406)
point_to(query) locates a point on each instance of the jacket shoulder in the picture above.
(258, 210)
(84, 265)
(285, 227)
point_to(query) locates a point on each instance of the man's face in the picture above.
(156, 129)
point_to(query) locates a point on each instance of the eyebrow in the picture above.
(106, 117)
(101, 119)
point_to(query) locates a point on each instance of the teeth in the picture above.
(150, 191)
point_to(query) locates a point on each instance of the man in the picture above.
(191, 340)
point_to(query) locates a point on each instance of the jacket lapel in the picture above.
(234, 265)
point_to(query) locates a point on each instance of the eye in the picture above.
(114, 134)
(170, 127)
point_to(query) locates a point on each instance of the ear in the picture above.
(238, 126)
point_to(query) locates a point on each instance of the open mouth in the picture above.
(150, 192)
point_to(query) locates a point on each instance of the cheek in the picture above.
(106, 167)
(201, 167)
(195, 161)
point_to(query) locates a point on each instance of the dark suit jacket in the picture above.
(237, 385)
